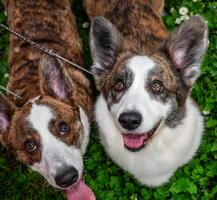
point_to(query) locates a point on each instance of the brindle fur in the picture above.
(52, 25)
(139, 21)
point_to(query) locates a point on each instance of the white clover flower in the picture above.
(183, 10)
(172, 9)
(191, 14)
(195, 1)
(205, 112)
(6, 75)
(178, 21)
(184, 17)
(85, 25)
(181, 19)
(5, 13)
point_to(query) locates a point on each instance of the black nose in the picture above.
(67, 177)
(130, 120)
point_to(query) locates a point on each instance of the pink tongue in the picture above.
(134, 141)
(80, 191)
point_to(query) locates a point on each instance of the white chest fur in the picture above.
(169, 149)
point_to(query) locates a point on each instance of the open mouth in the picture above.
(80, 191)
(135, 142)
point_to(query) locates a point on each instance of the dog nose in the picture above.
(130, 120)
(67, 177)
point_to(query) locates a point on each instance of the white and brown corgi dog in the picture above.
(148, 123)
(48, 129)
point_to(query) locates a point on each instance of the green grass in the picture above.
(196, 180)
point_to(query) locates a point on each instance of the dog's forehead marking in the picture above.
(39, 117)
(141, 65)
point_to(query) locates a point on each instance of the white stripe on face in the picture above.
(138, 99)
(55, 154)
(86, 129)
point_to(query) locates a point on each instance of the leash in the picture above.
(10, 92)
(45, 50)
(48, 51)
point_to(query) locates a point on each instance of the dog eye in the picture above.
(30, 146)
(119, 86)
(157, 87)
(63, 128)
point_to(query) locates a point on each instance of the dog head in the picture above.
(48, 133)
(146, 89)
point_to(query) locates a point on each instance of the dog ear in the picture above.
(7, 109)
(54, 80)
(105, 41)
(187, 46)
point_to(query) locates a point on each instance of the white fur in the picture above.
(169, 149)
(55, 153)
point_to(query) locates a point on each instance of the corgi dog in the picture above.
(48, 127)
(148, 123)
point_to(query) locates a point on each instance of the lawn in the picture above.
(196, 180)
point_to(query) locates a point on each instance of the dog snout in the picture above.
(67, 177)
(130, 120)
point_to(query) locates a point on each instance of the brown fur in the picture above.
(96, 8)
(17, 140)
(139, 21)
(52, 25)
(168, 78)
(68, 115)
